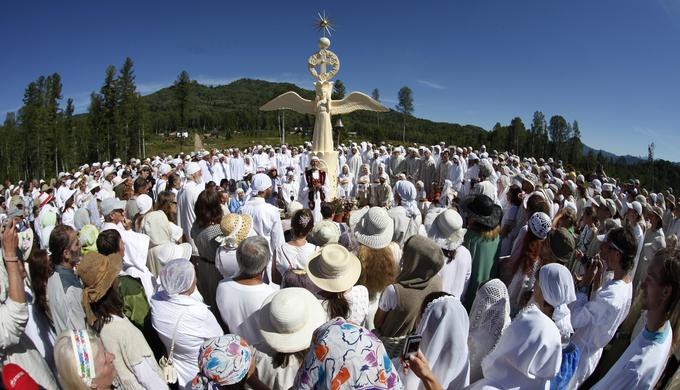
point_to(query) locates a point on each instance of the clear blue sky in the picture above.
(612, 65)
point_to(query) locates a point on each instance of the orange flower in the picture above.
(320, 351)
(340, 378)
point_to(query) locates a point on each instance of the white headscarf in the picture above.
(444, 328)
(489, 317)
(456, 171)
(407, 192)
(557, 286)
(177, 276)
(528, 354)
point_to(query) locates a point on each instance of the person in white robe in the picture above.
(642, 364)
(266, 217)
(444, 329)
(354, 163)
(595, 320)
(395, 164)
(186, 199)
(428, 171)
(489, 317)
(528, 354)
(207, 171)
(236, 166)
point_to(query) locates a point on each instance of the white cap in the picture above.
(192, 168)
(261, 182)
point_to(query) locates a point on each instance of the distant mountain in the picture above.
(611, 156)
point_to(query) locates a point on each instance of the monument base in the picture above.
(330, 165)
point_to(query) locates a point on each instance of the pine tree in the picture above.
(405, 106)
(52, 151)
(69, 142)
(183, 93)
(338, 90)
(95, 123)
(109, 94)
(128, 110)
(375, 94)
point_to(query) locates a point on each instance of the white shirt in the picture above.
(358, 305)
(456, 274)
(186, 199)
(595, 323)
(196, 325)
(293, 257)
(641, 366)
(239, 305)
(266, 223)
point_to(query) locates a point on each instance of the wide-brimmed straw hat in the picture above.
(372, 227)
(289, 317)
(483, 210)
(333, 268)
(235, 228)
(445, 227)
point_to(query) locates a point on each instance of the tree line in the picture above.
(45, 137)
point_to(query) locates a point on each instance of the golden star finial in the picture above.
(324, 24)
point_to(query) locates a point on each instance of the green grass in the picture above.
(156, 144)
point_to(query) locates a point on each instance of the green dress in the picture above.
(483, 254)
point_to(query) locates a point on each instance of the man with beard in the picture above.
(64, 290)
(412, 165)
(395, 164)
(428, 171)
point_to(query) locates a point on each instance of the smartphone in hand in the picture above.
(411, 346)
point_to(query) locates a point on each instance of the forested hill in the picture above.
(235, 107)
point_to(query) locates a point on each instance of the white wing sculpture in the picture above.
(356, 101)
(290, 101)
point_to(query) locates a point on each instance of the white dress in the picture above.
(444, 331)
(196, 325)
(456, 274)
(527, 356)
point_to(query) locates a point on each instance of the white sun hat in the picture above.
(288, 319)
(333, 268)
(372, 227)
(445, 227)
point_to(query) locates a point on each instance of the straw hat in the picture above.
(333, 268)
(445, 227)
(326, 232)
(373, 227)
(289, 317)
(235, 228)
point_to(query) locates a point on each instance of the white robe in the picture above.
(595, 323)
(236, 168)
(444, 329)
(641, 366)
(527, 356)
(266, 223)
(186, 199)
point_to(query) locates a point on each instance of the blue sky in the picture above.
(612, 65)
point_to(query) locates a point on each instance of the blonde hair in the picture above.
(378, 268)
(64, 359)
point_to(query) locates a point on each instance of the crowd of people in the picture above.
(233, 269)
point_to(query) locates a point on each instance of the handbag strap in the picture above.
(174, 331)
(290, 265)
